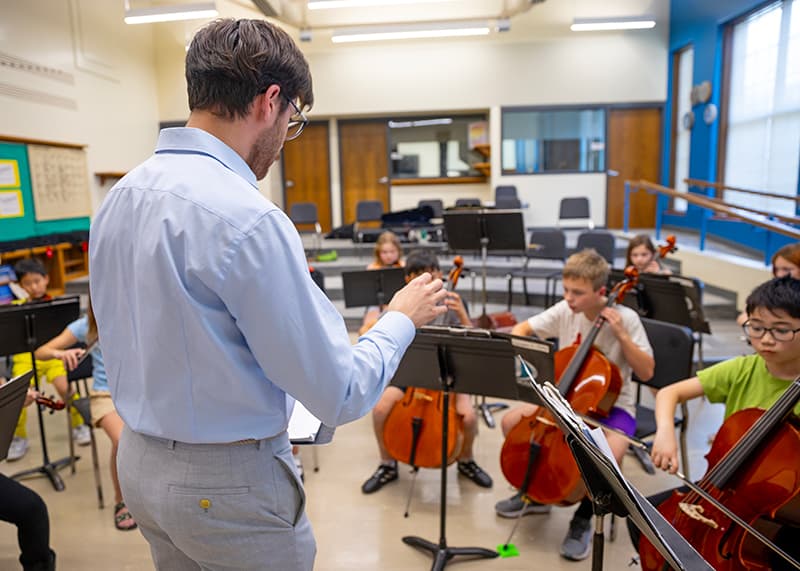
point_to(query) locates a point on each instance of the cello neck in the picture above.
(755, 437)
(574, 366)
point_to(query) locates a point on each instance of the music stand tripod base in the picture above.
(442, 554)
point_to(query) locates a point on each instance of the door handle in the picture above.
(289, 184)
(383, 180)
(612, 172)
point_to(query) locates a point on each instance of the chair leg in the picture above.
(96, 469)
(509, 281)
(315, 457)
(68, 410)
(525, 290)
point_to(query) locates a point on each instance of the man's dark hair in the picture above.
(230, 62)
(779, 293)
(420, 261)
(29, 266)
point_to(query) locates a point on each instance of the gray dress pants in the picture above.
(217, 506)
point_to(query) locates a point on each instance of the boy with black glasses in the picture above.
(751, 381)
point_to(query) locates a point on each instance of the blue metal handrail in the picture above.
(706, 204)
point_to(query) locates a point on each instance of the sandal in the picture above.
(123, 520)
(475, 473)
(383, 475)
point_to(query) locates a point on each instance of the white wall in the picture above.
(127, 78)
(109, 101)
(478, 74)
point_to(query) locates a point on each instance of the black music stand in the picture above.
(371, 287)
(481, 230)
(675, 299)
(474, 361)
(12, 398)
(23, 328)
(611, 493)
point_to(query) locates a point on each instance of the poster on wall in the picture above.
(60, 182)
(9, 173)
(11, 205)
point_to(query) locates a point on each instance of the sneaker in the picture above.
(383, 475)
(475, 473)
(577, 544)
(18, 448)
(516, 506)
(81, 435)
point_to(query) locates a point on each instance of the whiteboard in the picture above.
(60, 182)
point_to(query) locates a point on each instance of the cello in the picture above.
(753, 472)
(535, 449)
(413, 430)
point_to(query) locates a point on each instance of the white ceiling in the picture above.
(530, 20)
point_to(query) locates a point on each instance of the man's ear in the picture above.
(268, 103)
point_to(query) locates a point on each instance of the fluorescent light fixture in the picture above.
(604, 24)
(170, 13)
(411, 31)
(329, 4)
(420, 123)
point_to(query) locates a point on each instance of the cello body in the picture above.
(554, 478)
(413, 430)
(764, 482)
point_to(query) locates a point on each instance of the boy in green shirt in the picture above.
(752, 381)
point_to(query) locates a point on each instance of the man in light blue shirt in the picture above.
(211, 324)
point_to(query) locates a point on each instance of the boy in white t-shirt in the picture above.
(622, 340)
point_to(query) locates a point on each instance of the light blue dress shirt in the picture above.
(207, 310)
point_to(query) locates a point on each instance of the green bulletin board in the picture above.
(16, 227)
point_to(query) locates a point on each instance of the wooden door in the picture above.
(306, 172)
(634, 151)
(365, 165)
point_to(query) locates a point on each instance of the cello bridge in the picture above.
(696, 513)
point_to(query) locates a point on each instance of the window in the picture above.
(557, 140)
(684, 67)
(437, 147)
(763, 138)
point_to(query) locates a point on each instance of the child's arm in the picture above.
(523, 329)
(665, 447)
(56, 349)
(454, 303)
(641, 362)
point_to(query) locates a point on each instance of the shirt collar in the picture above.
(191, 140)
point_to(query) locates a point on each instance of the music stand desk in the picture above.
(372, 287)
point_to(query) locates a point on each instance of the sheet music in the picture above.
(599, 438)
(303, 426)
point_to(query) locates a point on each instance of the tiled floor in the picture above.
(353, 530)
